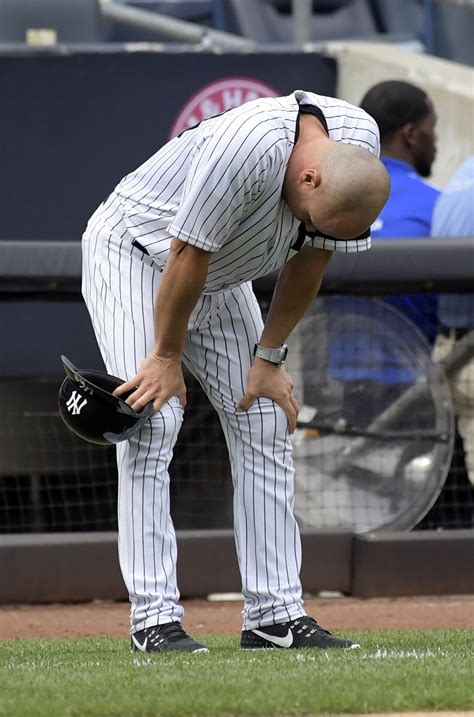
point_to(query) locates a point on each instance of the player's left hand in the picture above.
(266, 380)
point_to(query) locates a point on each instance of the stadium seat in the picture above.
(270, 21)
(404, 16)
(74, 21)
(200, 12)
(444, 27)
(453, 29)
(191, 10)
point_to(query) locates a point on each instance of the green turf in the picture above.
(394, 671)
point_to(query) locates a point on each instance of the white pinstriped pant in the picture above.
(119, 288)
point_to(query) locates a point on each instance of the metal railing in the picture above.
(173, 28)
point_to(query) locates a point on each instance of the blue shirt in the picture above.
(409, 210)
(408, 213)
(454, 216)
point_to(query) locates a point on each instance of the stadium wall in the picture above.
(77, 121)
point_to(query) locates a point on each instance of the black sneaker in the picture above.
(302, 632)
(165, 638)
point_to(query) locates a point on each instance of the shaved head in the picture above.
(339, 189)
(354, 188)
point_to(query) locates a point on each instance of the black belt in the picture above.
(453, 332)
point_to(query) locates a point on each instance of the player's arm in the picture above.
(160, 376)
(298, 284)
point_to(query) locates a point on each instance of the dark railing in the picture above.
(444, 264)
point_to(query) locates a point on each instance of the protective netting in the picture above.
(381, 451)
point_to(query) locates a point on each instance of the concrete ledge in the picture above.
(70, 567)
(60, 567)
(207, 562)
(326, 561)
(67, 567)
(419, 563)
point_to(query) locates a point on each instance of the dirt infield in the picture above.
(224, 617)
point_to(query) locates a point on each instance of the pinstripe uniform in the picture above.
(217, 186)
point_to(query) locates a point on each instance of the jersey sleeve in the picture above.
(349, 246)
(367, 133)
(324, 241)
(225, 178)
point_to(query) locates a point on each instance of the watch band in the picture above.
(275, 356)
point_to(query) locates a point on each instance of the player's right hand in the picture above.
(269, 381)
(158, 379)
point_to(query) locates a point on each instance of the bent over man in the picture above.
(168, 261)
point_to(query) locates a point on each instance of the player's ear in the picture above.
(310, 178)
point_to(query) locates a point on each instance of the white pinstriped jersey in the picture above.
(218, 186)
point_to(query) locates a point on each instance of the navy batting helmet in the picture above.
(91, 411)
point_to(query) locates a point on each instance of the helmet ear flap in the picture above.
(89, 409)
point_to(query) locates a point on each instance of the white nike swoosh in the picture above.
(285, 641)
(139, 645)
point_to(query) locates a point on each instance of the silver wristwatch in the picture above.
(275, 356)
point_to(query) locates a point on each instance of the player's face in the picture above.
(317, 209)
(340, 225)
(424, 150)
(310, 209)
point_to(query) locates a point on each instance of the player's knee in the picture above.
(265, 418)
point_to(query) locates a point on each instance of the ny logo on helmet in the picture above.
(73, 404)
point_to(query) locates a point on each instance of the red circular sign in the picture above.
(218, 97)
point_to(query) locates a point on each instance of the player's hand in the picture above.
(158, 379)
(266, 380)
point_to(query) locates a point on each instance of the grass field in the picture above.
(393, 671)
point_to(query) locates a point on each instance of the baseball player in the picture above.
(168, 262)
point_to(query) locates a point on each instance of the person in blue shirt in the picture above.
(407, 121)
(454, 216)
(373, 372)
